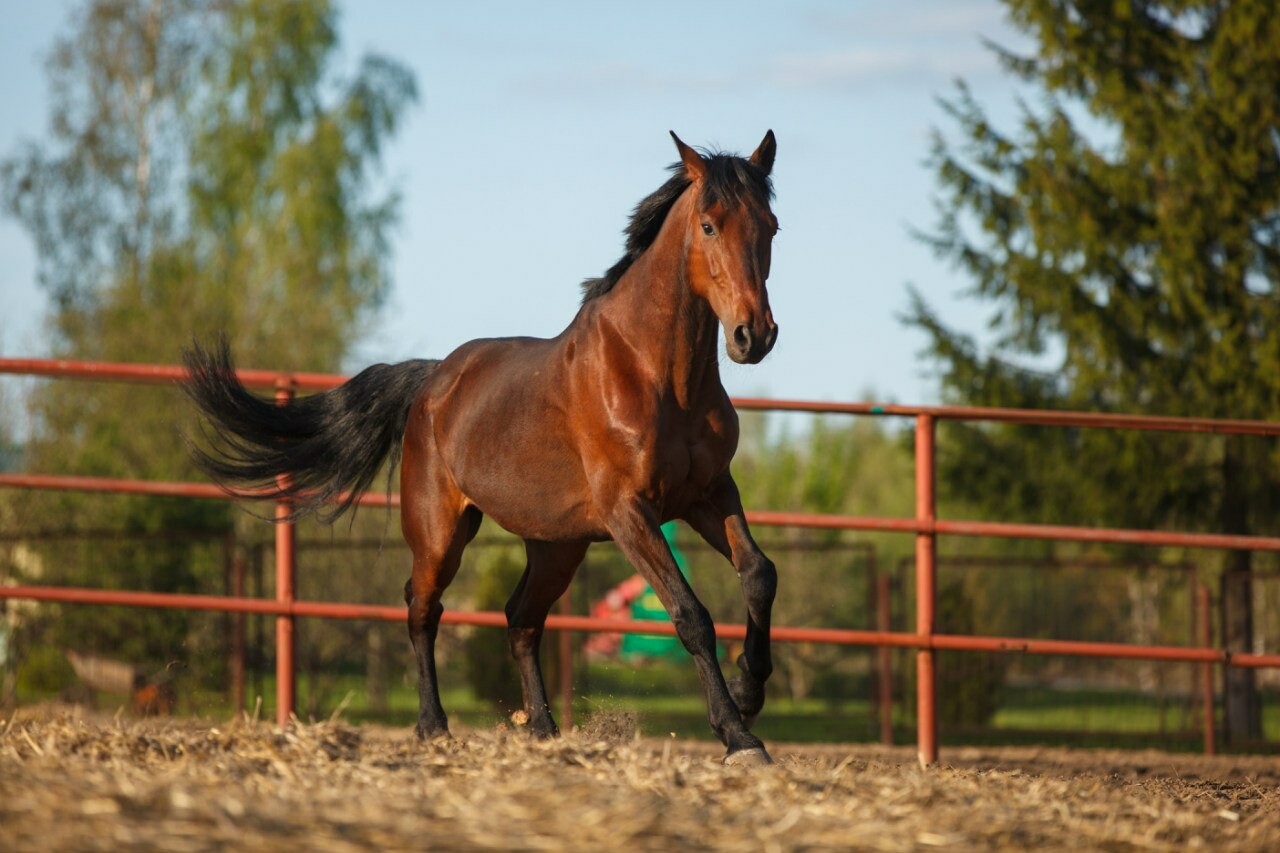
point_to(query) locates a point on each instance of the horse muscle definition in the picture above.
(606, 431)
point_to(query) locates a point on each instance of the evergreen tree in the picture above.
(1130, 228)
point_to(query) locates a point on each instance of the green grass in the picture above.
(666, 698)
(1085, 711)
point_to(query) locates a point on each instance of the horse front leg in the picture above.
(635, 527)
(719, 519)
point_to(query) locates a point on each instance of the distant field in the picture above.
(665, 699)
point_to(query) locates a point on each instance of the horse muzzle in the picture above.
(749, 346)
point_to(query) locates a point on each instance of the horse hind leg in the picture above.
(435, 563)
(550, 568)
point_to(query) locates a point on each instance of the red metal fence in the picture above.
(925, 526)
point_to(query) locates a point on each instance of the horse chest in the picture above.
(706, 463)
(689, 459)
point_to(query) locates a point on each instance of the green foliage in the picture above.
(839, 465)
(206, 171)
(45, 671)
(279, 201)
(1129, 224)
(1141, 242)
(97, 197)
(970, 686)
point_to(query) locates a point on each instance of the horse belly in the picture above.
(535, 507)
(523, 479)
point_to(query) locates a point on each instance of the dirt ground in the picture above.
(76, 781)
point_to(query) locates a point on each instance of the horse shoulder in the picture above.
(713, 442)
(609, 384)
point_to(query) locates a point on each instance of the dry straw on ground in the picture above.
(74, 782)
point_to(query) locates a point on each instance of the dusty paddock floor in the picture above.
(70, 781)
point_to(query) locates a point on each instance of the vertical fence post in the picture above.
(884, 657)
(237, 635)
(285, 575)
(926, 575)
(1205, 618)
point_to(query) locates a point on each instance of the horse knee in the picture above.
(760, 579)
(512, 608)
(694, 627)
(424, 621)
(523, 641)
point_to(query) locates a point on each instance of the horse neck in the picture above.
(670, 329)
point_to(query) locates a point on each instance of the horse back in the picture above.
(496, 418)
(545, 435)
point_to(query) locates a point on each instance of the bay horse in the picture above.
(607, 430)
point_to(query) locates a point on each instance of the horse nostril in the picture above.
(742, 337)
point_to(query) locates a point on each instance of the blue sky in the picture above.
(542, 124)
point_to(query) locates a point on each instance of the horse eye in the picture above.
(707, 229)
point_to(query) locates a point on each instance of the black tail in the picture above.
(326, 444)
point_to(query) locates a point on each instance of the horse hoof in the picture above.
(748, 758)
(430, 734)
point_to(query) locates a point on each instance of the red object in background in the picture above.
(615, 604)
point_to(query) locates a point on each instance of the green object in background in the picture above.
(647, 606)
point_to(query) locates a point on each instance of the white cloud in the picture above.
(857, 66)
(839, 47)
(913, 20)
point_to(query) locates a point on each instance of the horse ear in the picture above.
(694, 166)
(764, 154)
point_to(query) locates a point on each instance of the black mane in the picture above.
(729, 180)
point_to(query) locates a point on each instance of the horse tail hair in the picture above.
(318, 451)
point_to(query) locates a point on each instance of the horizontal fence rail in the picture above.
(497, 619)
(161, 374)
(925, 526)
(807, 520)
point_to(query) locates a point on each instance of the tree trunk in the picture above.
(1241, 707)
(1242, 712)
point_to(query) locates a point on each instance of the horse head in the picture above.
(730, 231)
